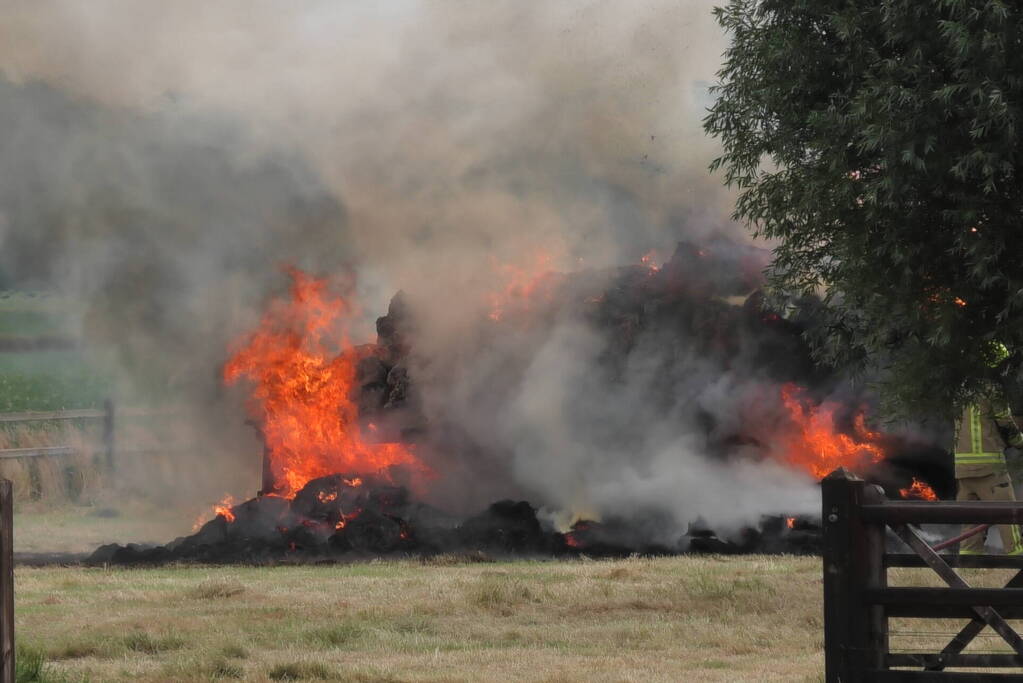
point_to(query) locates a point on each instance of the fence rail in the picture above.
(858, 601)
(37, 416)
(39, 452)
(107, 414)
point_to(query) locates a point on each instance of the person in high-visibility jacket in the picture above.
(984, 431)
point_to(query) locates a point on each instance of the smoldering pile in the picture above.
(697, 303)
(665, 333)
(339, 519)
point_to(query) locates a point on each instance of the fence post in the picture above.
(6, 582)
(875, 575)
(848, 639)
(108, 433)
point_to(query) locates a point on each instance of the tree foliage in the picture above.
(879, 142)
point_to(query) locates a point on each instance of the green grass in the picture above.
(26, 314)
(28, 323)
(30, 666)
(300, 671)
(50, 380)
(44, 380)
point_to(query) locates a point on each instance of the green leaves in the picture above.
(878, 142)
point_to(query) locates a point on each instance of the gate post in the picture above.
(850, 565)
(6, 582)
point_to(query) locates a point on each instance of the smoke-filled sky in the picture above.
(160, 162)
(446, 131)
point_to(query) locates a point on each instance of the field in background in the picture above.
(54, 489)
(45, 528)
(690, 618)
(44, 379)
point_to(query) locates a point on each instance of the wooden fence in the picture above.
(858, 601)
(106, 415)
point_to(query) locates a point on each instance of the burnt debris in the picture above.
(339, 518)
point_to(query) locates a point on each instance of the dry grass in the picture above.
(931, 635)
(45, 528)
(77, 477)
(691, 618)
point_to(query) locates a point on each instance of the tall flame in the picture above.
(815, 445)
(302, 366)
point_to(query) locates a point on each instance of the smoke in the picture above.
(161, 161)
(601, 409)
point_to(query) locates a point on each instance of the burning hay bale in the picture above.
(338, 518)
(352, 430)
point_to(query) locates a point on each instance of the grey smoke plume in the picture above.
(160, 160)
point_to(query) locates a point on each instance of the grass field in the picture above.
(42, 528)
(49, 380)
(696, 618)
(748, 618)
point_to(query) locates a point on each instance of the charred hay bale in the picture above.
(333, 496)
(307, 537)
(387, 498)
(509, 527)
(595, 540)
(131, 554)
(397, 386)
(371, 532)
(254, 531)
(395, 328)
(260, 518)
(327, 499)
(371, 379)
(370, 370)
(210, 533)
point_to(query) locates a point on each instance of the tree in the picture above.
(879, 143)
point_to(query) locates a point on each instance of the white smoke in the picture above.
(203, 144)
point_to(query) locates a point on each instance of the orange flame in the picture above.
(521, 285)
(224, 508)
(302, 366)
(815, 445)
(790, 522)
(918, 489)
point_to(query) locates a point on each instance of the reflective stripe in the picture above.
(975, 436)
(979, 458)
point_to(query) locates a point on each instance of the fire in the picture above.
(815, 445)
(790, 522)
(918, 489)
(302, 366)
(223, 508)
(522, 285)
(649, 260)
(572, 538)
